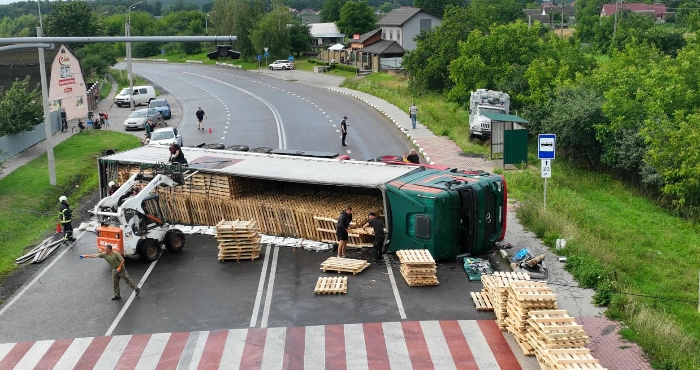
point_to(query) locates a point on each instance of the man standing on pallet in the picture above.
(66, 217)
(118, 271)
(341, 230)
(378, 227)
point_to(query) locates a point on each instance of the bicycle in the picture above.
(87, 130)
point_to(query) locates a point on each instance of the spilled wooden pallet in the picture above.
(497, 288)
(416, 257)
(417, 267)
(344, 265)
(332, 285)
(238, 240)
(481, 301)
(326, 228)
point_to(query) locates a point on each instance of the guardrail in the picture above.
(227, 65)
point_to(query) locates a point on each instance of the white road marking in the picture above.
(154, 349)
(5, 348)
(223, 137)
(14, 299)
(337, 130)
(72, 354)
(113, 352)
(355, 354)
(233, 349)
(437, 345)
(261, 285)
(131, 299)
(349, 151)
(225, 132)
(396, 345)
(270, 285)
(199, 349)
(481, 351)
(334, 125)
(402, 312)
(315, 348)
(32, 357)
(273, 352)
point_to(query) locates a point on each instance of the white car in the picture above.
(281, 64)
(165, 136)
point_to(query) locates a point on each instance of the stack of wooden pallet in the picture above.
(206, 184)
(495, 292)
(418, 267)
(558, 339)
(238, 240)
(526, 296)
(344, 265)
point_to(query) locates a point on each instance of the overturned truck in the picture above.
(445, 212)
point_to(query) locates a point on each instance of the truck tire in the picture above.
(238, 148)
(214, 146)
(261, 149)
(149, 250)
(174, 240)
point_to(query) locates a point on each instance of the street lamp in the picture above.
(206, 24)
(127, 31)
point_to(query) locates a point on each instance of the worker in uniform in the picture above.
(65, 215)
(341, 230)
(116, 261)
(378, 227)
(112, 187)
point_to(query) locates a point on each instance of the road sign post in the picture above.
(546, 144)
(259, 59)
(291, 60)
(266, 55)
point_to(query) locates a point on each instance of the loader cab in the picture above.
(151, 219)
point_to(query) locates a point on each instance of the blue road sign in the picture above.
(267, 54)
(546, 144)
(291, 58)
(259, 57)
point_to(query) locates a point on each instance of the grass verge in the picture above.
(620, 242)
(30, 204)
(105, 87)
(441, 117)
(122, 79)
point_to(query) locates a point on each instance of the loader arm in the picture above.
(109, 206)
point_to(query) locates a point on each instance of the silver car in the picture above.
(138, 118)
(165, 136)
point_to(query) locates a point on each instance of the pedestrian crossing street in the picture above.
(460, 344)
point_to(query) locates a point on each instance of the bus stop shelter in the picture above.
(508, 136)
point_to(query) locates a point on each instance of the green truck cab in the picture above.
(447, 213)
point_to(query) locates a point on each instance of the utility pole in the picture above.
(47, 118)
(127, 30)
(561, 25)
(617, 9)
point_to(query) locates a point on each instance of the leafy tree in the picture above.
(72, 19)
(300, 37)
(208, 6)
(272, 32)
(179, 6)
(356, 17)
(238, 17)
(330, 12)
(386, 7)
(95, 59)
(436, 7)
(23, 26)
(22, 109)
(587, 17)
(685, 10)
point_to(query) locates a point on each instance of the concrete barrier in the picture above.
(149, 60)
(227, 65)
(193, 61)
(320, 69)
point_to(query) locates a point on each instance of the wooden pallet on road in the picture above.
(238, 240)
(421, 280)
(332, 285)
(416, 257)
(417, 267)
(481, 301)
(344, 265)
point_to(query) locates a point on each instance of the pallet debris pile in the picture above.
(344, 265)
(238, 240)
(418, 267)
(528, 310)
(44, 250)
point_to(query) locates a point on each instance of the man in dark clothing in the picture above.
(112, 187)
(64, 120)
(341, 230)
(344, 130)
(65, 215)
(200, 116)
(378, 227)
(176, 154)
(413, 157)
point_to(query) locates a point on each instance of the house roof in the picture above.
(397, 17)
(384, 47)
(324, 30)
(22, 58)
(365, 36)
(659, 9)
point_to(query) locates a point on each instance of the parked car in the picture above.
(166, 136)
(138, 118)
(281, 64)
(141, 95)
(162, 106)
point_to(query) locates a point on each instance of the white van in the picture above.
(141, 95)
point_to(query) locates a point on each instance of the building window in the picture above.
(425, 24)
(383, 35)
(398, 36)
(391, 35)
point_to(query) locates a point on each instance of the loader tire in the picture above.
(214, 146)
(261, 149)
(238, 148)
(149, 250)
(174, 240)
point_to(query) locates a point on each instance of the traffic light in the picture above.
(223, 51)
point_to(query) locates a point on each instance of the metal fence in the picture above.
(11, 145)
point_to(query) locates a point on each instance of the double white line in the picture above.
(261, 288)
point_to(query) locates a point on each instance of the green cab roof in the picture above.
(504, 117)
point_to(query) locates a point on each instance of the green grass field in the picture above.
(30, 205)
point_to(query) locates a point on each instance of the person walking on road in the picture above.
(412, 111)
(413, 157)
(378, 227)
(341, 230)
(200, 117)
(66, 217)
(344, 130)
(116, 261)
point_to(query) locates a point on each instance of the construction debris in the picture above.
(344, 265)
(332, 285)
(238, 240)
(418, 267)
(42, 251)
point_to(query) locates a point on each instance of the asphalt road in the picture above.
(259, 110)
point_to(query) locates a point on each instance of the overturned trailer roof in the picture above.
(272, 167)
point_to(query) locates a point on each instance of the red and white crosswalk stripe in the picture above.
(459, 344)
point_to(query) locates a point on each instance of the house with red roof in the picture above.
(654, 10)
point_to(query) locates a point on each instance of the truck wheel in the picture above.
(149, 250)
(261, 149)
(174, 240)
(213, 146)
(238, 148)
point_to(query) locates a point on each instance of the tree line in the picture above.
(624, 101)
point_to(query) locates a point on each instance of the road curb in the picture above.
(392, 119)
